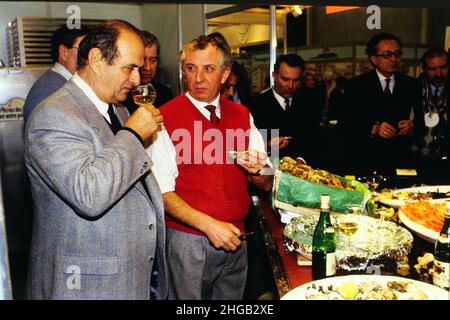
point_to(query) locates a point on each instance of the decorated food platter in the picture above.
(398, 198)
(423, 218)
(373, 241)
(366, 287)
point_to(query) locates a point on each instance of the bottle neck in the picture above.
(325, 215)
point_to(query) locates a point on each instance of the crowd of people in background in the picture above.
(116, 195)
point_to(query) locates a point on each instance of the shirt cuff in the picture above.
(166, 184)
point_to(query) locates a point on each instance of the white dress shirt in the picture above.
(60, 69)
(383, 81)
(281, 100)
(163, 155)
(101, 106)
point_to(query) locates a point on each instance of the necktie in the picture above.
(287, 103)
(115, 124)
(387, 90)
(436, 94)
(212, 109)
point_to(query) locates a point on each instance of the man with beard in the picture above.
(431, 119)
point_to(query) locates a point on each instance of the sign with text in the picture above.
(13, 110)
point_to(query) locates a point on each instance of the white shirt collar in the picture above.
(101, 106)
(383, 80)
(200, 105)
(280, 99)
(60, 69)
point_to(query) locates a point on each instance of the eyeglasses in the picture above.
(389, 54)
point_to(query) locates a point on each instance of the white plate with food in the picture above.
(423, 218)
(366, 287)
(398, 198)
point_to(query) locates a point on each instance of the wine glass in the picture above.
(144, 94)
(348, 224)
(354, 208)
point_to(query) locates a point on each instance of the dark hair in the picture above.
(292, 60)
(151, 39)
(202, 42)
(431, 53)
(104, 37)
(243, 85)
(66, 37)
(371, 48)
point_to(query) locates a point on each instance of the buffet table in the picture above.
(289, 275)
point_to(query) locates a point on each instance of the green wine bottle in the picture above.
(324, 243)
(441, 272)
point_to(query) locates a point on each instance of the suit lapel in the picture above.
(123, 115)
(93, 116)
(98, 122)
(376, 83)
(275, 101)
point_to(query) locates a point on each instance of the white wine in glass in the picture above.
(144, 94)
(348, 227)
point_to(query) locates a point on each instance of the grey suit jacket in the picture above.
(96, 230)
(47, 84)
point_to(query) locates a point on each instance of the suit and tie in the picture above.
(432, 140)
(299, 120)
(368, 103)
(97, 230)
(47, 84)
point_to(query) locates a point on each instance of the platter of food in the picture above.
(366, 287)
(372, 241)
(297, 186)
(423, 218)
(398, 198)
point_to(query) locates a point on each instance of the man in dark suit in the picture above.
(431, 125)
(290, 111)
(148, 72)
(377, 123)
(64, 46)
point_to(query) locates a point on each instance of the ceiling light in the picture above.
(296, 11)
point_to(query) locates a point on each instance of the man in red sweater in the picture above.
(205, 191)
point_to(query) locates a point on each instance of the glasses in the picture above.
(389, 54)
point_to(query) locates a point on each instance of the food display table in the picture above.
(289, 275)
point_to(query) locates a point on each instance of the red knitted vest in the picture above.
(208, 179)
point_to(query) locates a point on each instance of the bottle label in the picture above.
(329, 230)
(441, 274)
(331, 264)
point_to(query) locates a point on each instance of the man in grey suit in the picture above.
(99, 218)
(64, 46)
